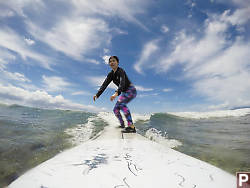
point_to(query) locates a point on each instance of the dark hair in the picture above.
(117, 59)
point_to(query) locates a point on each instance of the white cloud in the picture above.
(164, 29)
(2, 64)
(220, 66)
(6, 75)
(106, 51)
(119, 31)
(77, 29)
(10, 40)
(216, 64)
(27, 86)
(12, 7)
(92, 61)
(237, 18)
(194, 50)
(13, 76)
(187, 48)
(106, 59)
(147, 95)
(124, 9)
(141, 88)
(238, 3)
(224, 78)
(79, 33)
(14, 95)
(6, 56)
(55, 83)
(74, 36)
(167, 90)
(232, 61)
(149, 48)
(6, 13)
(29, 41)
(81, 93)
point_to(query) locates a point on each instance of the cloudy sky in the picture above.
(182, 55)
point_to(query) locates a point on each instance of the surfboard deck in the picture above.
(116, 160)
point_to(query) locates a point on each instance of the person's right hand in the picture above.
(95, 97)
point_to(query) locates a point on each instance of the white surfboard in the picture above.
(114, 160)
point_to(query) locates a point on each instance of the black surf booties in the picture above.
(129, 130)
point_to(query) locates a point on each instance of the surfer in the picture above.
(125, 88)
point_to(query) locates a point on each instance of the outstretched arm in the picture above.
(104, 86)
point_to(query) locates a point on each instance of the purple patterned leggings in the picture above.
(124, 99)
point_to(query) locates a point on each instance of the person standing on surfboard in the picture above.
(125, 88)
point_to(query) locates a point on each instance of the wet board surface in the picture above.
(116, 160)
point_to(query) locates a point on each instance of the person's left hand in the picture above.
(113, 96)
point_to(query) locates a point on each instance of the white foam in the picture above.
(109, 118)
(81, 133)
(156, 135)
(221, 113)
(137, 117)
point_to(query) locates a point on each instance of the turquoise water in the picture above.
(223, 142)
(29, 136)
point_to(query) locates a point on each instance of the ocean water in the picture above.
(29, 136)
(219, 138)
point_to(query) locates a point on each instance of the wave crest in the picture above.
(213, 114)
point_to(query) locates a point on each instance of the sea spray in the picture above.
(161, 138)
(84, 132)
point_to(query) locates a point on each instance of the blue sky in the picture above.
(182, 55)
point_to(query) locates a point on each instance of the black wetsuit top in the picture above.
(119, 77)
